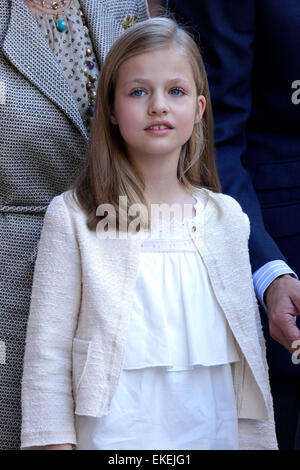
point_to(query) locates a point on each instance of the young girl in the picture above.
(148, 339)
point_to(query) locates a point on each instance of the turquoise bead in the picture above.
(92, 77)
(61, 25)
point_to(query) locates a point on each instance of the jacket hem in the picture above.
(41, 439)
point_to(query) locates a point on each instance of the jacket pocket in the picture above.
(80, 353)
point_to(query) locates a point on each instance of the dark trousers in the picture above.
(286, 399)
(285, 388)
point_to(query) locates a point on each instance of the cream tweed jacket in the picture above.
(81, 301)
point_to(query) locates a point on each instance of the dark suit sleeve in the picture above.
(226, 29)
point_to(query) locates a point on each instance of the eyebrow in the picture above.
(146, 80)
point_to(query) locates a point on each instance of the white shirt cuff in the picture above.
(263, 277)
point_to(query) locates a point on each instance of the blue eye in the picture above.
(137, 92)
(177, 92)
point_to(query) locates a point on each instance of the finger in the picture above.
(284, 330)
(279, 336)
(290, 330)
(296, 302)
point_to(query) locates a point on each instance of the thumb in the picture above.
(291, 332)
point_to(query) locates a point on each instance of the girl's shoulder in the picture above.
(220, 200)
(227, 210)
(64, 206)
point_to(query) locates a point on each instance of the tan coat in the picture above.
(80, 312)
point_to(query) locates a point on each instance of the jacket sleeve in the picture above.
(47, 400)
(227, 31)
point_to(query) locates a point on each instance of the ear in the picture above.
(201, 105)
(113, 118)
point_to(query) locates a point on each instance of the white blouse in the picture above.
(175, 389)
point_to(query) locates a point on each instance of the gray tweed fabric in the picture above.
(42, 145)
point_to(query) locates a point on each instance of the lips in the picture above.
(159, 127)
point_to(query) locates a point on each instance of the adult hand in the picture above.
(282, 299)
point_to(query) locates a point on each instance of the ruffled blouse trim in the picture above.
(177, 323)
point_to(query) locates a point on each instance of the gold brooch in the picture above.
(129, 21)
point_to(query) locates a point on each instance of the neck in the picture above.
(160, 178)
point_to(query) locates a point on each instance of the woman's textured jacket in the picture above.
(42, 145)
(82, 297)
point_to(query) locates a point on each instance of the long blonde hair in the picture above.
(107, 173)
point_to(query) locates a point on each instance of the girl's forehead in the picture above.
(160, 63)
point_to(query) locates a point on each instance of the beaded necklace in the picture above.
(61, 6)
(54, 8)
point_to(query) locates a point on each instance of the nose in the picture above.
(158, 105)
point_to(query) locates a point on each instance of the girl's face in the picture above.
(156, 104)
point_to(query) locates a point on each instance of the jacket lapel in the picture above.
(100, 19)
(108, 16)
(28, 50)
